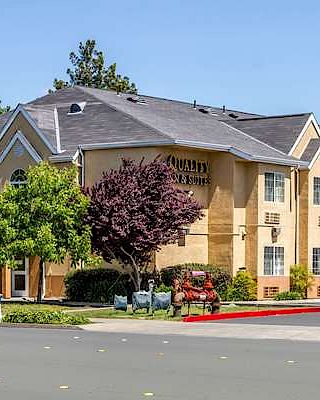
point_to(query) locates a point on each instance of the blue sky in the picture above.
(258, 56)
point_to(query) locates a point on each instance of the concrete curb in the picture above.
(250, 314)
(40, 326)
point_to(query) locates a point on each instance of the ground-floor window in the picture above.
(273, 260)
(316, 261)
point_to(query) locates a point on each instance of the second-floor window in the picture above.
(316, 190)
(274, 187)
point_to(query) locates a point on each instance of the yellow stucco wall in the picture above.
(287, 221)
(311, 236)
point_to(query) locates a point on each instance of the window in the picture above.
(273, 260)
(18, 177)
(316, 261)
(316, 190)
(274, 187)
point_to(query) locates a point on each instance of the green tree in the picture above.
(89, 70)
(301, 279)
(4, 109)
(44, 217)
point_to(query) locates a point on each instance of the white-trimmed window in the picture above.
(316, 261)
(316, 190)
(274, 187)
(273, 260)
(18, 177)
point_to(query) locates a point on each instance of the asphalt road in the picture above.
(36, 364)
(309, 319)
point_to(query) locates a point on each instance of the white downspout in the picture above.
(56, 123)
(43, 281)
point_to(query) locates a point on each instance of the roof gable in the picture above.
(43, 134)
(19, 137)
(280, 132)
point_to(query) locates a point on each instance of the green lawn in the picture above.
(111, 313)
(159, 315)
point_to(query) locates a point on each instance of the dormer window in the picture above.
(77, 108)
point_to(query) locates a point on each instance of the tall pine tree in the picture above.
(88, 69)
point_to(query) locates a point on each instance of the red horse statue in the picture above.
(187, 293)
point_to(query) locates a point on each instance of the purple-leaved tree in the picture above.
(135, 210)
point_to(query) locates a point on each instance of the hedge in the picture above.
(99, 285)
(43, 317)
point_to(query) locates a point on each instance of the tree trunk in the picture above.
(135, 277)
(40, 281)
(136, 281)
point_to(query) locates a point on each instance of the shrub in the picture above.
(162, 288)
(301, 279)
(243, 288)
(221, 277)
(43, 317)
(288, 296)
(99, 285)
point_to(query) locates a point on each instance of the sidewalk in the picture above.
(217, 330)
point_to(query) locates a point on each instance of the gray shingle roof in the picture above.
(311, 150)
(113, 120)
(3, 119)
(44, 118)
(280, 132)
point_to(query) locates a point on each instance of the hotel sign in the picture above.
(189, 171)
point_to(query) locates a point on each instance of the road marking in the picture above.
(64, 387)
(148, 394)
(101, 350)
(223, 358)
(165, 342)
(47, 347)
(76, 337)
(291, 362)
(124, 340)
(159, 354)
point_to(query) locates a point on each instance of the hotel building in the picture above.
(257, 177)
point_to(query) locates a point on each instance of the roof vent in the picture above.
(204, 110)
(233, 115)
(77, 108)
(136, 100)
(208, 111)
